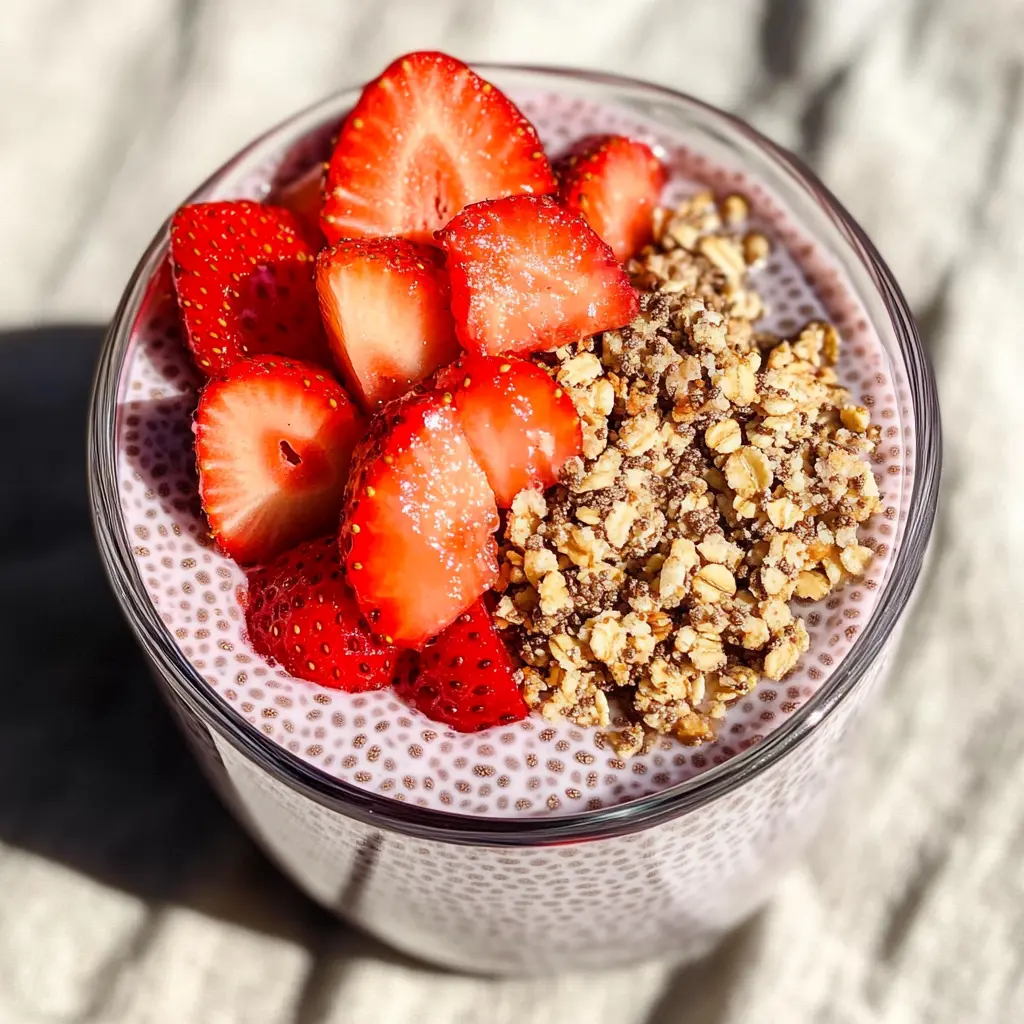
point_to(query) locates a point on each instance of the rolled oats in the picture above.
(554, 595)
(724, 474)
(812, 586)
(855, 559)
(748, 471)
(756, 248)
(724, 436)
(725, 253)
(603, 473)
(855, 417)
(734, 209)
(538, 562)
(737, 381)
(713, 583)
(620, 520)
(715, 548)
(784, 513)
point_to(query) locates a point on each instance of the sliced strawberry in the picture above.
(520, 424)
(417, 533)
(244, 276)
(528, 275)
(466, 679)
(384, 303)
(425, 139)
(274, 439)
(304, 196)
(300, 613)
(615, 183)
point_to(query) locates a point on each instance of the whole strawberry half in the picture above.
(300, 613)
(274, 439)
(466, 679)
(615, 184)
(426, 139)
(520, 424)
(528, 275)
(417, 533)
(384, 303)
(243, 272)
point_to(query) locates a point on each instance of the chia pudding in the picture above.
(696, 572)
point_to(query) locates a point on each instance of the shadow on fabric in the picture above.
(93, 773)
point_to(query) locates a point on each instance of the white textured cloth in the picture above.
(127, 895)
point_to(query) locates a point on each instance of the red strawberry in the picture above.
(274, 439)
(520, 424)
(244, 276)
(528, 275)
(425, 139)
(417, 533)
(466, 678)
(384, 303)
(300, 612)
(304, 196)
(615, 183)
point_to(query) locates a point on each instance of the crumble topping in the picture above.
(724, 474)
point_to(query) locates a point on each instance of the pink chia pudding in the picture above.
(689, 579)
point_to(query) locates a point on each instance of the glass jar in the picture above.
(664, 875)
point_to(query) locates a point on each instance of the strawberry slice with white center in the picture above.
(384, 303)
(426, 139)
(520, 424)
(417, 534)
(528, 275)
(466, 679)
(243, 272)
(274, 440)
(300, 613)
(615, 183)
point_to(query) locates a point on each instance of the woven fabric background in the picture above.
(126, 893)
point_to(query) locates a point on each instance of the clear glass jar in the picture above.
(667, 874)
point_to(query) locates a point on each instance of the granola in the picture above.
(724, 474)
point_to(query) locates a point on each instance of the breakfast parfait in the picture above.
(505, 433)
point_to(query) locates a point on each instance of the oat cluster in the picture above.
(724, 475)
